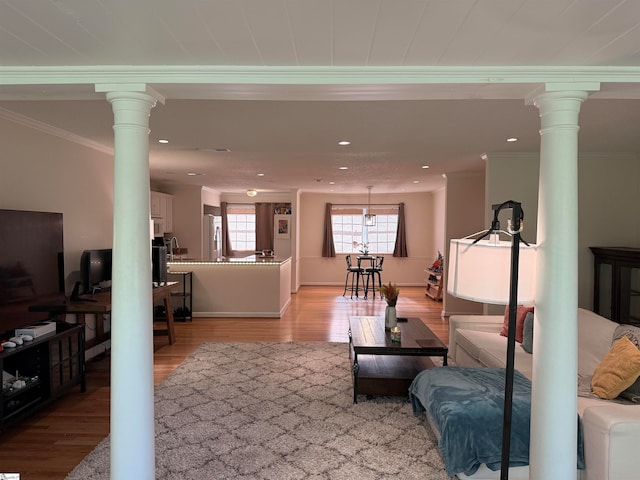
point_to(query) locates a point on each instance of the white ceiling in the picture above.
(280, 82)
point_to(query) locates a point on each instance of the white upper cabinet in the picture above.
(162, 210)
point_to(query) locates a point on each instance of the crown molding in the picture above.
(51, 130)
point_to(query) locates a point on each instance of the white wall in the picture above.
(210, 197)
(42, 172)
(465, 214)
(607, 197)
(421, 247)
(513, 177)
(438, 232)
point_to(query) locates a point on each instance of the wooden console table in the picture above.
(99, 304)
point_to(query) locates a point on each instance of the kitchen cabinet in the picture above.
(162, 213)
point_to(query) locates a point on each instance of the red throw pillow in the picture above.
(521, 313)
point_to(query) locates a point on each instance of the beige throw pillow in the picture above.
(617, 370)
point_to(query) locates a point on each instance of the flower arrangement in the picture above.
(390, 293)
(362, 247)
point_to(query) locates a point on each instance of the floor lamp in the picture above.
(489, 270)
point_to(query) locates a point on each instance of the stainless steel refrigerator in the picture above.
(212, 242)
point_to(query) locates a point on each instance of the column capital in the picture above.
(124, 88)
(557, 90)
(131, 108)
(559, 108)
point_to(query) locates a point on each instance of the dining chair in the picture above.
(367, 264)
(353, 274)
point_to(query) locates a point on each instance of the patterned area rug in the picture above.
(278, 411)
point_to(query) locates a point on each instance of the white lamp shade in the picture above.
(481, 272)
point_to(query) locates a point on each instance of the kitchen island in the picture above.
(252, 286)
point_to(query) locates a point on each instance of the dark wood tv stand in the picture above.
(50, 365)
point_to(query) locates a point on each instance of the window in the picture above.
(241, 221)
(350, 235)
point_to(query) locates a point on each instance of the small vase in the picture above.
(390, 319)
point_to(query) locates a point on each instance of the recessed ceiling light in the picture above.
(194, 174)
(332, 183)
(251, 192)
(162, 140)
(344, 168)
(425, 166)
(416, 181)
(344, 142)
(261, 174)
(512, 139)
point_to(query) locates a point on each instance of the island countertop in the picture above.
(252, 286)
(248, 260)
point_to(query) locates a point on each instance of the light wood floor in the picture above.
(50, 444)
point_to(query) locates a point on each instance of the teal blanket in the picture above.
(466, 406)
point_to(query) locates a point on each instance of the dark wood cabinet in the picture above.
(616, 283)
(47, 367)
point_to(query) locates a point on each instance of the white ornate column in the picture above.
(553, 451)
(132, 396)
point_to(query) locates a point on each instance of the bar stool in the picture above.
(367, 271)
(376, 271)
(353, 274)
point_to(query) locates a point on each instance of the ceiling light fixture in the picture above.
(344, 168)
(344, 142)
(162, 140)
(425, 166)
(261, 174)
(512, 139)
(369, 218)
(251, 192)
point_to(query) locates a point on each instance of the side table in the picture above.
(184, 295)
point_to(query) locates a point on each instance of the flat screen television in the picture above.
(95, 268)
(31, 265)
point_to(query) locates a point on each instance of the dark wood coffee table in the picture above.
(383, 367)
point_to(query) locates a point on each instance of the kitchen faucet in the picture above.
(171, 246)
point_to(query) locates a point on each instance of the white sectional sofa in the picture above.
(611, 430)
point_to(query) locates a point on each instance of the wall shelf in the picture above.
(434, 284)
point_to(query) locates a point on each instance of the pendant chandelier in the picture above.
(369, 218)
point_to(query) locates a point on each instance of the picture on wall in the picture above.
(282, 228)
